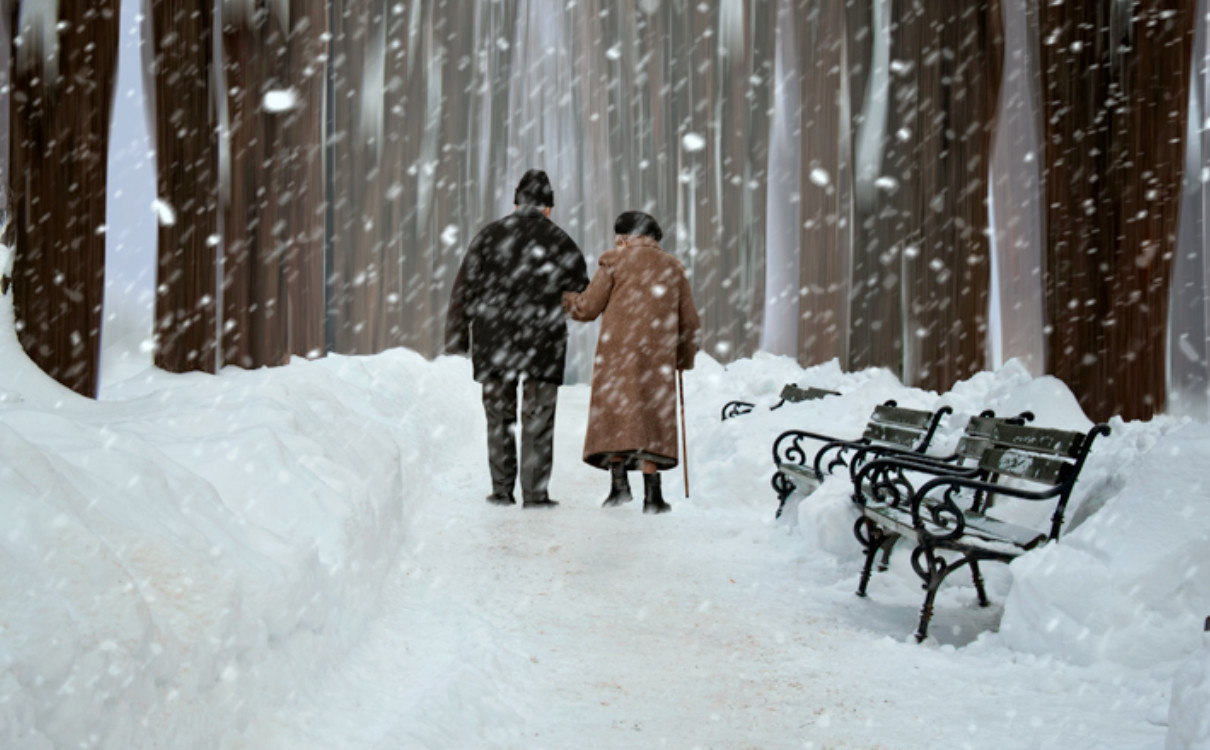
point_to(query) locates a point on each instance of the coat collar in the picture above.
(637, 242)
(529, 212)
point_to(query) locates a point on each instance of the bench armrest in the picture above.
(884, 479)
(937, 517)
(868, 453)
(736, 409)
(789, 445)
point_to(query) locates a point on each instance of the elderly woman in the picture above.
(649, 330)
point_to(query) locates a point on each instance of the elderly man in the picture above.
(506, 310)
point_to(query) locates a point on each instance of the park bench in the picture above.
(790, 394)
(964, 461)
(890, 428)
(1014, 462)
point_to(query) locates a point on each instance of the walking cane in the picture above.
(680, 380)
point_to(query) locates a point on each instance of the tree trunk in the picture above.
(1116, 95)
(303, 196)
(274, 212)
(825, 193)
(245, 185)
(885, 175)
(358, 175)
(948, 267)
(62, 99)
(186, 148)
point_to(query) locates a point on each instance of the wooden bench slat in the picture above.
(897, 415)
(803, 478)
(972, 447)
(893, 520)
(1057, 442)
(893, 434)
(1023, 465)
(990, 529)
(982, 426)
(993, 529)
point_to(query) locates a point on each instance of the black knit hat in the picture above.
(534, 190)
(638, 223)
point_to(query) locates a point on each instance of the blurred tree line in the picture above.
(321, 165)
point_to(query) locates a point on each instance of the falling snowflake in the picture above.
(693, 142)
(164, 212)
(280, 100)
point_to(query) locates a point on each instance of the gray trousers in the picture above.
(538, 400)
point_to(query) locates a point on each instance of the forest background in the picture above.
(929, 187)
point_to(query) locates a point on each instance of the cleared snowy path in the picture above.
(581, 627)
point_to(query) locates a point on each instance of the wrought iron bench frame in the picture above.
(790, 394)
(890, 428)
(1048, 460)
(964, 461)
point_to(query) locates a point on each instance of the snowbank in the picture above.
(1131, 584)
(1189, 717)
(1128, 584)
(171, 563)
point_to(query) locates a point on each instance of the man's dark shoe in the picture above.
(501, 499)
(653, 500)
(619, 486)
(545, 502)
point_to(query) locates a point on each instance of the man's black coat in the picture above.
(506, 307)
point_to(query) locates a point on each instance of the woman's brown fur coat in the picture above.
(649, 330)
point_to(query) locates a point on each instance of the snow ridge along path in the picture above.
(710, 627)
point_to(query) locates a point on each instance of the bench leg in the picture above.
(932, 570)
(886, 557)
(870, 554)
(784, 488)
(873, 539)
(926, 611)
(978, 578)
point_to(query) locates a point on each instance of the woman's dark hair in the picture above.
(638, 223)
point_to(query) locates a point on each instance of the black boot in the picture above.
(653, 500)
(619, 486)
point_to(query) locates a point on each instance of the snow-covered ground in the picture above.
(302, 558)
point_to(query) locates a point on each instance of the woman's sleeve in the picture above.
(688, 333)
(588, 304)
